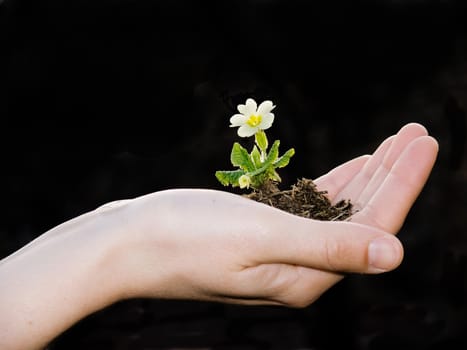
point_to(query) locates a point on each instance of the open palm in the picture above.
(301, 259)
(383, 186)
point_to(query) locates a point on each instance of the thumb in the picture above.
(331, 246)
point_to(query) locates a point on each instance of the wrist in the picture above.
(59, 278)
(150, 249)
(133, 261)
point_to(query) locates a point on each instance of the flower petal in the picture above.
(241, 108)
(265, 108)
(237, 120)
(250, 107)
(266, 121)
(246, 131)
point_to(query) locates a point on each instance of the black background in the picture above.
(104, 100)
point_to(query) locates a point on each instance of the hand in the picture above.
(212, 245)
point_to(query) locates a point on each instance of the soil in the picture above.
(303, 199)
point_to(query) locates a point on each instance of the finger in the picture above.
(406, 135)
(389, 150)
(356, 185)
(335, 180)
(330, 246)
(389, 206)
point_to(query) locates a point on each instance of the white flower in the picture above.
(244, 181)
(252, 118)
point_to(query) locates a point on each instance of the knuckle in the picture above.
(336, 253)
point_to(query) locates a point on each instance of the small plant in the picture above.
(258, 170)
(258, 166)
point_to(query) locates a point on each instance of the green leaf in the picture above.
(261, 140)
(229, 177)
(284, 160)
(275, 176)
(241, 158)
(256, 157)
(273, 153)
(268, 163)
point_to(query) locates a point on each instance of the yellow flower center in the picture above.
(254, 120)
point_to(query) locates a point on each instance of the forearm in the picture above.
(56, 280)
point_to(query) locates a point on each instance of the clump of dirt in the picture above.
(303, 199)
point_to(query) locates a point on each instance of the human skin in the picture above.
(213, 245)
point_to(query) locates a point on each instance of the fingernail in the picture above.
(383, 254)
